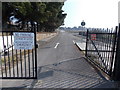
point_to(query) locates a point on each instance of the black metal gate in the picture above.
(18, 62)
(101, 48)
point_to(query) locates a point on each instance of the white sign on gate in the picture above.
(23, 40)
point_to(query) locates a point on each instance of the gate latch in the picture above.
(37, 45)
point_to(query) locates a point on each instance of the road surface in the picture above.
(61, 48)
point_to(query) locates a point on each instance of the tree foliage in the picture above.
(49, 15)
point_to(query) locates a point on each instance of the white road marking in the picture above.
(73, 41)
(56, 45)
(62, 31)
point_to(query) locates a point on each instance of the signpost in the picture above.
(83, 24)
(23, 40)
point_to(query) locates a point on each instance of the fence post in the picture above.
(86, 43)
(36, 46)
(116, 72)
(113, 50)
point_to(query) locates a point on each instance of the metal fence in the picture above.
(17, 63)
(100, 48)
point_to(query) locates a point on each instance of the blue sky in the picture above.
(96, 13)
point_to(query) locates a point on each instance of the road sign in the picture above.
(93, 36)
(83, 23)
(23, 40)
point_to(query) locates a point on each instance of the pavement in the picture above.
(81, 43)
(82, 46)
(62, 65)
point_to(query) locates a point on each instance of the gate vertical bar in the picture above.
(116, 72)
(25, 63)
(86, 43)
(35, 50)
(4, 54)
(8, 55)
(12, 55)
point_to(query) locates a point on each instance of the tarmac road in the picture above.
(61, 48)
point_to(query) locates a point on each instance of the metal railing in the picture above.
(17, 63)
(100, 48)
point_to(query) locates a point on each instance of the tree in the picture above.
(47, 14)
(57, 18)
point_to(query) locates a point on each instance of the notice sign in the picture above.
(93, 36)
(23, 40)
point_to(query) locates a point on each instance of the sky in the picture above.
(96, 13)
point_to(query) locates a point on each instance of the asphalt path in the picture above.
(61, 48)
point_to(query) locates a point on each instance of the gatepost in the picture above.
(116, 72)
